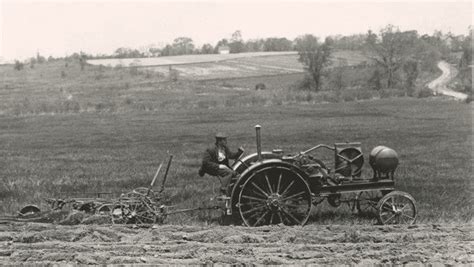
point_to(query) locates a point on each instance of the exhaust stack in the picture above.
(259, 142)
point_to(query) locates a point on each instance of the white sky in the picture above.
(59, 28)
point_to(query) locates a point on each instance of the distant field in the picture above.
(204, 67)
(176, 60)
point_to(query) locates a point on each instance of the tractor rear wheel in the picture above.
(274, 195)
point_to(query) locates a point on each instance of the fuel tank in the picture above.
(383, 159)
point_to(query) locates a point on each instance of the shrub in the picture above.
(305, 84)
(227, 85)
(260, 86)
(330, 97)
(18, 65)
(63, 74)
(230, 103)
(348, 96)
(386, 93)
(468, 99)
(148, 74)
(425, 92)
(70, 106)
(364, 94)
(173, 75)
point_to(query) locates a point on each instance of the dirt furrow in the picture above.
(168, 244)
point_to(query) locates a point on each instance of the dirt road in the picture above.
(33, 243)
(439, 85)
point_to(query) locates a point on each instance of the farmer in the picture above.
(215, 161)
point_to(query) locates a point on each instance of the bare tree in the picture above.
(314, 56)
(390, 50)
(236, 44)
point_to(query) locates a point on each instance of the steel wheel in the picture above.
(133, 211)
(367, 202)
(275, 195)
(396, 208)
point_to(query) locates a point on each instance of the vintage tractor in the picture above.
(274, 188)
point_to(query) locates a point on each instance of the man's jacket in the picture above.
(210, 163)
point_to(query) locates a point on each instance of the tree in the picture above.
(207, 49)
(167, 51)
(465, 71)
(82, 60)
(277, 44)
(18, 65)
(256, 45)
(122, 52)
(314, 56)
(236, 44)
(39, 58)
(375, 81)
(183, 46)
(223, 42)
(411, 73)
(32, 62)
(351, 42)
(390, 50)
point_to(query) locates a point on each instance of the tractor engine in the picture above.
(383, 161)
(315, 169)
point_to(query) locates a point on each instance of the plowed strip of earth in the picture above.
(34, 243)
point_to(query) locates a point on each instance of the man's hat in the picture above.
(221, 135)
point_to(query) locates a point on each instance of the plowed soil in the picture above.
(33, 243)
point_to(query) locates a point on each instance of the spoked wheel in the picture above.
(275, 195)
(133, 211)
(397, 208)
(367, 201)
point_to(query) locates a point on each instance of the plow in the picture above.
(139, 206)
(270, 187)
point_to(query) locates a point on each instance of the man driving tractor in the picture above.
(215, 161)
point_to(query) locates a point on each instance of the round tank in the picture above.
(383, 159)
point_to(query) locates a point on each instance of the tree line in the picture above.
(398, 56)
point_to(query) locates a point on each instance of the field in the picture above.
(184, 244)
(207, 67)
(177, 60)
(67, 132)
(69, 154)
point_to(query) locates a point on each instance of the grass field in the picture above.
(107, 130)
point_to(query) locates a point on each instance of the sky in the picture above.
(60, 28)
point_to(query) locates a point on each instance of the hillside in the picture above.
(215, 66)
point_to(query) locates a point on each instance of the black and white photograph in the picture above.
(226, 132)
